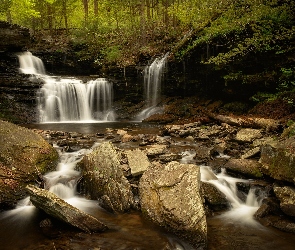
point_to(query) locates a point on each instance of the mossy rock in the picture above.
(278, 159)
(24, 155)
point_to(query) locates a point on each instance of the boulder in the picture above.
(246, 167)
(103, 178)
(59, 209)
(215, 199)
(286, 195)
(24, 157)
(138, 161)
(278, 159)
(251, 153)
(203, 154)
(248, 135)
(170, 197)
(155, 150)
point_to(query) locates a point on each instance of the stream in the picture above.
(23, 227)
(69, 105)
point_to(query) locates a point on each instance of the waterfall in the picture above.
(63, 100)
(69, 99)
(153, 76)
(30, 64)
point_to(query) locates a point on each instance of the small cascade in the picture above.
(30, 64)
(153, 76)
(69, 99)
(241, 211)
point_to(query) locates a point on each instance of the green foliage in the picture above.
(287, 80)
(117, 31)
(262, 96)
(258, 26)
(112, 54)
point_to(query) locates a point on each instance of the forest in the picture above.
(243, 42)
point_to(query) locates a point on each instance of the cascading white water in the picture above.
(63, 100)
(30, 64)
(153, 76)
(241, 211)
(69, 99)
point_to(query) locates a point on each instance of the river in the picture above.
(21, 228)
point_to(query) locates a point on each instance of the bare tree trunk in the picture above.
(95, 6)
(65, 14)
(142, 23)
(165, 14)
(49, 18)
(86, 10)
(8, 16)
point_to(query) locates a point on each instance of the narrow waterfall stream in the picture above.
(153, 76)
(63, 99)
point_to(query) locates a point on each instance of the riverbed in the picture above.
(21, 228)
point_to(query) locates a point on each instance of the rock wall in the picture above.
(13, 37)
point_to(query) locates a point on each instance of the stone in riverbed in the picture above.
(286, 195)
(104, 180)
(138, 161)
(278, 159)
(59, 209)
(24, 157)
(246, 167)
(248, 135)
(170, 197)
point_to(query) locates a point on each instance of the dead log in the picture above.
(59, 209)
(246, 122)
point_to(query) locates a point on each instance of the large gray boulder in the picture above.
(286, 196)
(24, 157)
(278, 159)
(104, 180)
(170, 197)
(59, 209)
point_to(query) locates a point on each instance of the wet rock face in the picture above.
(215, 199)
(286, 195)
(104, 179)
(13, 37)
(246, 167)
(278, 160)
(59, 209)
(24, 156)
(170, 197)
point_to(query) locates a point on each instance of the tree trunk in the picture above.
(65, 14)
(95, 6)
(49, 18)
(142, 23)
(86, 10)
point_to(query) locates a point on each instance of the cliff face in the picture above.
(17, 93)
(13, 37)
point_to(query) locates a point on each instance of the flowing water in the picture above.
(153, 76)
(63, 99)
(19, 228)
(235, 229)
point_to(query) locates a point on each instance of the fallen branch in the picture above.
(250, 122)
